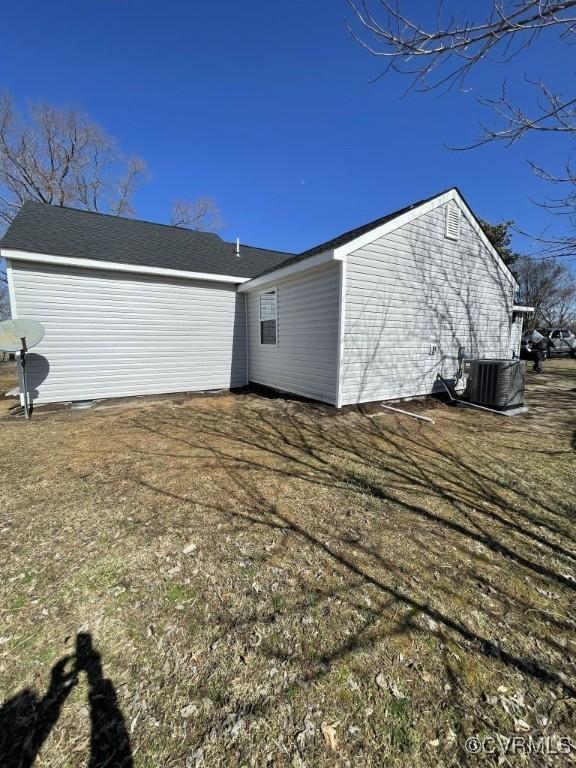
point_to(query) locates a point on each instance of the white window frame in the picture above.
(270, 289)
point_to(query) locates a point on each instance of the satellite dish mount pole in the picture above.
(23, 351)
(19, 336)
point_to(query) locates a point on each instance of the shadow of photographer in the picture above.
(26, 720)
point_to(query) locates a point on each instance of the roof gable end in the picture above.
(339, 247)
(419, 209)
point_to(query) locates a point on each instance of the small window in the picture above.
(555, 335)
(268, 317)
(453, 214)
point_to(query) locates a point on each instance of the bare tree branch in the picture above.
(441, 52)
(202, 214)
(553, 114)
(445, 52)
(121, 204)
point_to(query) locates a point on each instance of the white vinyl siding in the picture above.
(416, 298)
(112, 335)
(305, 358)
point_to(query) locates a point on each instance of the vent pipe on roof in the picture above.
(237, 246)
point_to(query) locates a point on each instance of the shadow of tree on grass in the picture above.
(282, 468)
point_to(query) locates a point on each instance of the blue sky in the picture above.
(268, 108)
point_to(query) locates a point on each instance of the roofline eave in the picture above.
(113, 266)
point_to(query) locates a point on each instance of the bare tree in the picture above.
(549, 287)
(439, 51)
(202, 214)
(62, 158)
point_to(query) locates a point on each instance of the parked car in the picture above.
(562, 341)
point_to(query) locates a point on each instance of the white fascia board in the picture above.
(405, 218)
(521, 308)
(291, 269)
(110, 266)
(384, 229)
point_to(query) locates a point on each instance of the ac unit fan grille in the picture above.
(497, 384)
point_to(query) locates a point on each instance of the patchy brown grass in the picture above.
(270, 583)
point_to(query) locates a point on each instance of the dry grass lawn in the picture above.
(273, 583)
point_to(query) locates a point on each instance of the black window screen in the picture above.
(268, 331)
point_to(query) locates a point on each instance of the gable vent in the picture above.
(453, 215)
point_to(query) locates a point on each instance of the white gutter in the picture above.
(111, 266)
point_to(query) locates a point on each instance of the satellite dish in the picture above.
(19, 336)
(16, 335)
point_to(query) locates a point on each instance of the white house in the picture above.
(132, 307)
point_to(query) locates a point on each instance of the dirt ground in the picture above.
(246, 581)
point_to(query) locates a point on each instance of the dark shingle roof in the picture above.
(48, 229)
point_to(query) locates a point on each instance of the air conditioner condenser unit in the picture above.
(497, 384)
